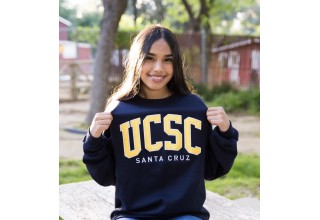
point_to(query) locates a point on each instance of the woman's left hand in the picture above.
(217, 116)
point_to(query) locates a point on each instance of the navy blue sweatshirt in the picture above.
(157, 153)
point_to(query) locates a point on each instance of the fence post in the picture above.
(73, 81)
(203, 56)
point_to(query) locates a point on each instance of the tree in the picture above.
(113, 10)
(223, 16)
(200, 22)
(202, 17)
(67, 13)
(148, 12)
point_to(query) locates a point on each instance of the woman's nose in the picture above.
(158, 66)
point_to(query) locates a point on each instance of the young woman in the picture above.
(155, 140)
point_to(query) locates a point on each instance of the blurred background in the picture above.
(219, 39)
(220, 42)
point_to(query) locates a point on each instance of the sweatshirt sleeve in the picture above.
(99, 158)
(221, 152)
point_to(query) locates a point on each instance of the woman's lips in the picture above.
(156, 78)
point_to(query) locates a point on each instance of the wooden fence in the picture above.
(75, 79)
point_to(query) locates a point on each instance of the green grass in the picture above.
(71, 171)
(242, 181)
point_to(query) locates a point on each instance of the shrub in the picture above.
(247, 101)
(209, 94)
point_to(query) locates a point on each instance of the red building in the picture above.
(237, 63)
(64, 25)
(71, 51)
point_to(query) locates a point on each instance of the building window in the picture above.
(255, 60)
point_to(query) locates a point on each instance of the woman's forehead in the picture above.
(160, 47)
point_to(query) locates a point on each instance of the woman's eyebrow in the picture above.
(168, 55)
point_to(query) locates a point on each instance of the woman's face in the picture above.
(157, 71)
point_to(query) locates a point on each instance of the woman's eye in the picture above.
(168, 59)
(149, 58)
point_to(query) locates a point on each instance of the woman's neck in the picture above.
(155, 94)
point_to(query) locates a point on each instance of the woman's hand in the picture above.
(100, 123)
(217, 116)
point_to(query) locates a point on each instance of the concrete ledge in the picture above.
(88, 200)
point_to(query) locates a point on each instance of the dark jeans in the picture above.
(184, 217)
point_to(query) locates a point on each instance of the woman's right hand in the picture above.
(100, 123)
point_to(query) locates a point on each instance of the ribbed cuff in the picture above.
(92, 140)
(228, 133)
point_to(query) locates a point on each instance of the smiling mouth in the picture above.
(156, 78)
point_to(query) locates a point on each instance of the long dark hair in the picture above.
(139, 49)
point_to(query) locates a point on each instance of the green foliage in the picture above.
(209, 94)
(90, 19)
(127, 23)
(225, 14)
(86, 35)
(124, 38)
(237, 101)
(176, 16)
(171, 13)
(147, 12)
(91, 36)
(67, 13)
(243, 180)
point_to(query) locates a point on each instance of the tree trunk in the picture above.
(113, 10)
(197, 23)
